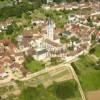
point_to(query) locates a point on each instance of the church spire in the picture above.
(50, 29)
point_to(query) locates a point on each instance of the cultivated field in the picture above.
(93, 95)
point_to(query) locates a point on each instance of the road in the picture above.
(47, 69)
(78, 82)
(68, 64)
(54, 68)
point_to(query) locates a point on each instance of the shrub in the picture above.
(92, 50)
(75, 68)
(55, 60)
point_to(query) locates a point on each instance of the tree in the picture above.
(12, 32)
(58, 1)
(12, 28)
(97, 65)
(9, 30)
(90, 23)
(75, 68)
(36, 93)
(98, 62)
(37, 3)
(78, 0)
(87, 0)
(73, 39)
(44, 1)
(55, 60)
(92, 50)
(17, 1)
(64, 39)
(18, 10)
(93, 38)
(99, 40)
(64, 90)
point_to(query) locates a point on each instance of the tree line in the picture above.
(24, 6)
(45, 1)
(18, 10)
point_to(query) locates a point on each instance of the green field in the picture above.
(33, 65)
(58, 91)
(89, 76)
(97, 50)
(65, 90)
(36, 93)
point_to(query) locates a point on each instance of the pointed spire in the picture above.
(50, 21)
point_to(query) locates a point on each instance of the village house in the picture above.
(41, 44)
(77, 18)
(45, 42)
(98, 36)
(9, 56)
(2, 72)
(66, 6)
(38, 22)
(4, 24)
(95, 17)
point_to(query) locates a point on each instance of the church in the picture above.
(50, 44)
(41, 45)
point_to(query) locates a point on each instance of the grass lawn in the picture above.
(97, 50)
(34, 65)
(89, 76)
